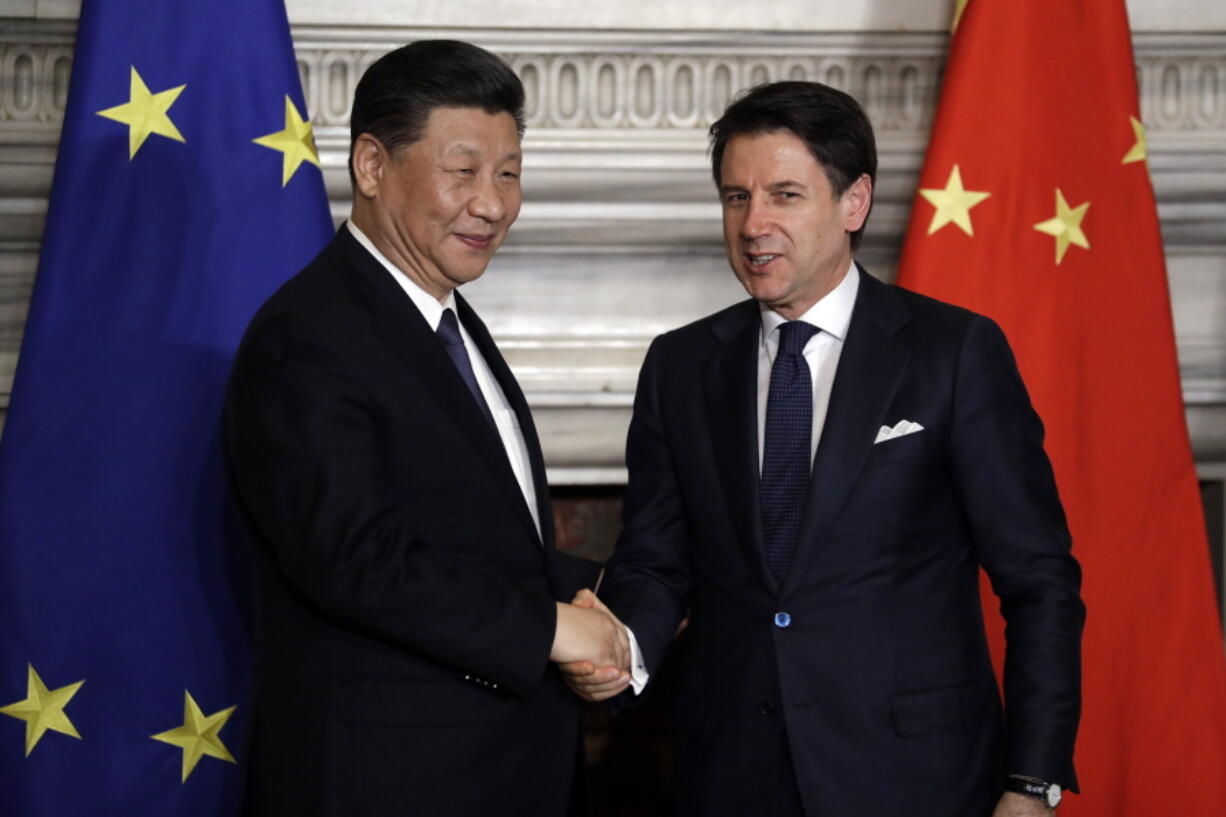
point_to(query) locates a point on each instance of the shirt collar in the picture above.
(831, 314)
(430, 308)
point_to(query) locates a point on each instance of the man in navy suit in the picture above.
(816, 477)
(387, 472)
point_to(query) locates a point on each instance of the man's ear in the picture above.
(856, 201)
(369, 163)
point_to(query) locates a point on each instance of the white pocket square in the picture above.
(901, 429)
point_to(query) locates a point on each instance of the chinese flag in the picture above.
(1035, 208)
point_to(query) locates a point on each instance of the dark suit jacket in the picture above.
(406, 603)
(881, 678)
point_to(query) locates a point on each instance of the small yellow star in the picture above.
(296, 143)
(43, 709)
(1139, 151)
(961, 7)
(145, 113)
(953, 204)
(1066, 226)
(198, 735)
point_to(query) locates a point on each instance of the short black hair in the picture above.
(831, 124)
(396, 94)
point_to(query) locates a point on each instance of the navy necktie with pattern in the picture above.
(786, 462)
(449, 333)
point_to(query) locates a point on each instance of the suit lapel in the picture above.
(515, 397)
(730, 382)
(401, 326)
(868, 374)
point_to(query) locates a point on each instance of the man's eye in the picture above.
(735, 198)
(510, 174)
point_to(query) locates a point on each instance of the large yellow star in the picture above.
(1140, 150)
(953, 204)
(145, 113)
(1066, 226)
(43, 709)
(296, 143)
(198, 735)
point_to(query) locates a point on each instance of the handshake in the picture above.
(592, 648)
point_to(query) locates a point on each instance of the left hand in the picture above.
(1013, 804)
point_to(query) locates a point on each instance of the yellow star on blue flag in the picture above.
(198, 736)
(145, 113)
(43, 709)
(295, 141)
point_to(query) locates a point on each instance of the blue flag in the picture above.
(186, 190)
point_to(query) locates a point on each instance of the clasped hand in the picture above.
(591, 648)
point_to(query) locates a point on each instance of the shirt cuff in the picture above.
(638, 669)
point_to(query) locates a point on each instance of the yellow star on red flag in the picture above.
(145, 113)
(198, 735)
(953, 203)
(1066, 226)
(959, 9)
(43, 709)
(296, 141)
(1140, 149)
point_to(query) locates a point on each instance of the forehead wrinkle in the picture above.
(463, 149)
(471, 151)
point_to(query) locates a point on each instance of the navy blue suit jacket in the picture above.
(406, 601)
(881, 679)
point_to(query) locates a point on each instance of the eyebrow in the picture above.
(773, 187)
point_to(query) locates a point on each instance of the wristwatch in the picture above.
(1049, 793)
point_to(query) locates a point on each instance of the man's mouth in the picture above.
(760, 259)
(475, 240)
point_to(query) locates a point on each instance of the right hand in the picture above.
(590, 676)
(589, 633)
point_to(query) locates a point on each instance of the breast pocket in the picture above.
(899, 448)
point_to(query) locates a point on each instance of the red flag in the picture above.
(1035, 208)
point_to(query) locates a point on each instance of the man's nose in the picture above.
(487, 202)
(757, 220)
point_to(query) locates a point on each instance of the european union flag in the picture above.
(187, 189)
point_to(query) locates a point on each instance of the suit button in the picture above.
(768, 707)
(783, 621)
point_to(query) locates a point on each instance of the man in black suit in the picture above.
(816, 477)
(387, 471)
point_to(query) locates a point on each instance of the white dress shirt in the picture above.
(832, 315)
(504, 416)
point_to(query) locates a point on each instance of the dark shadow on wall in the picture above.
(630, 761)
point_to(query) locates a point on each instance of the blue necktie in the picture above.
(449, 333)
(785, 457)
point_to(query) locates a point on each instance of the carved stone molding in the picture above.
(655, 80)
(589, 81)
